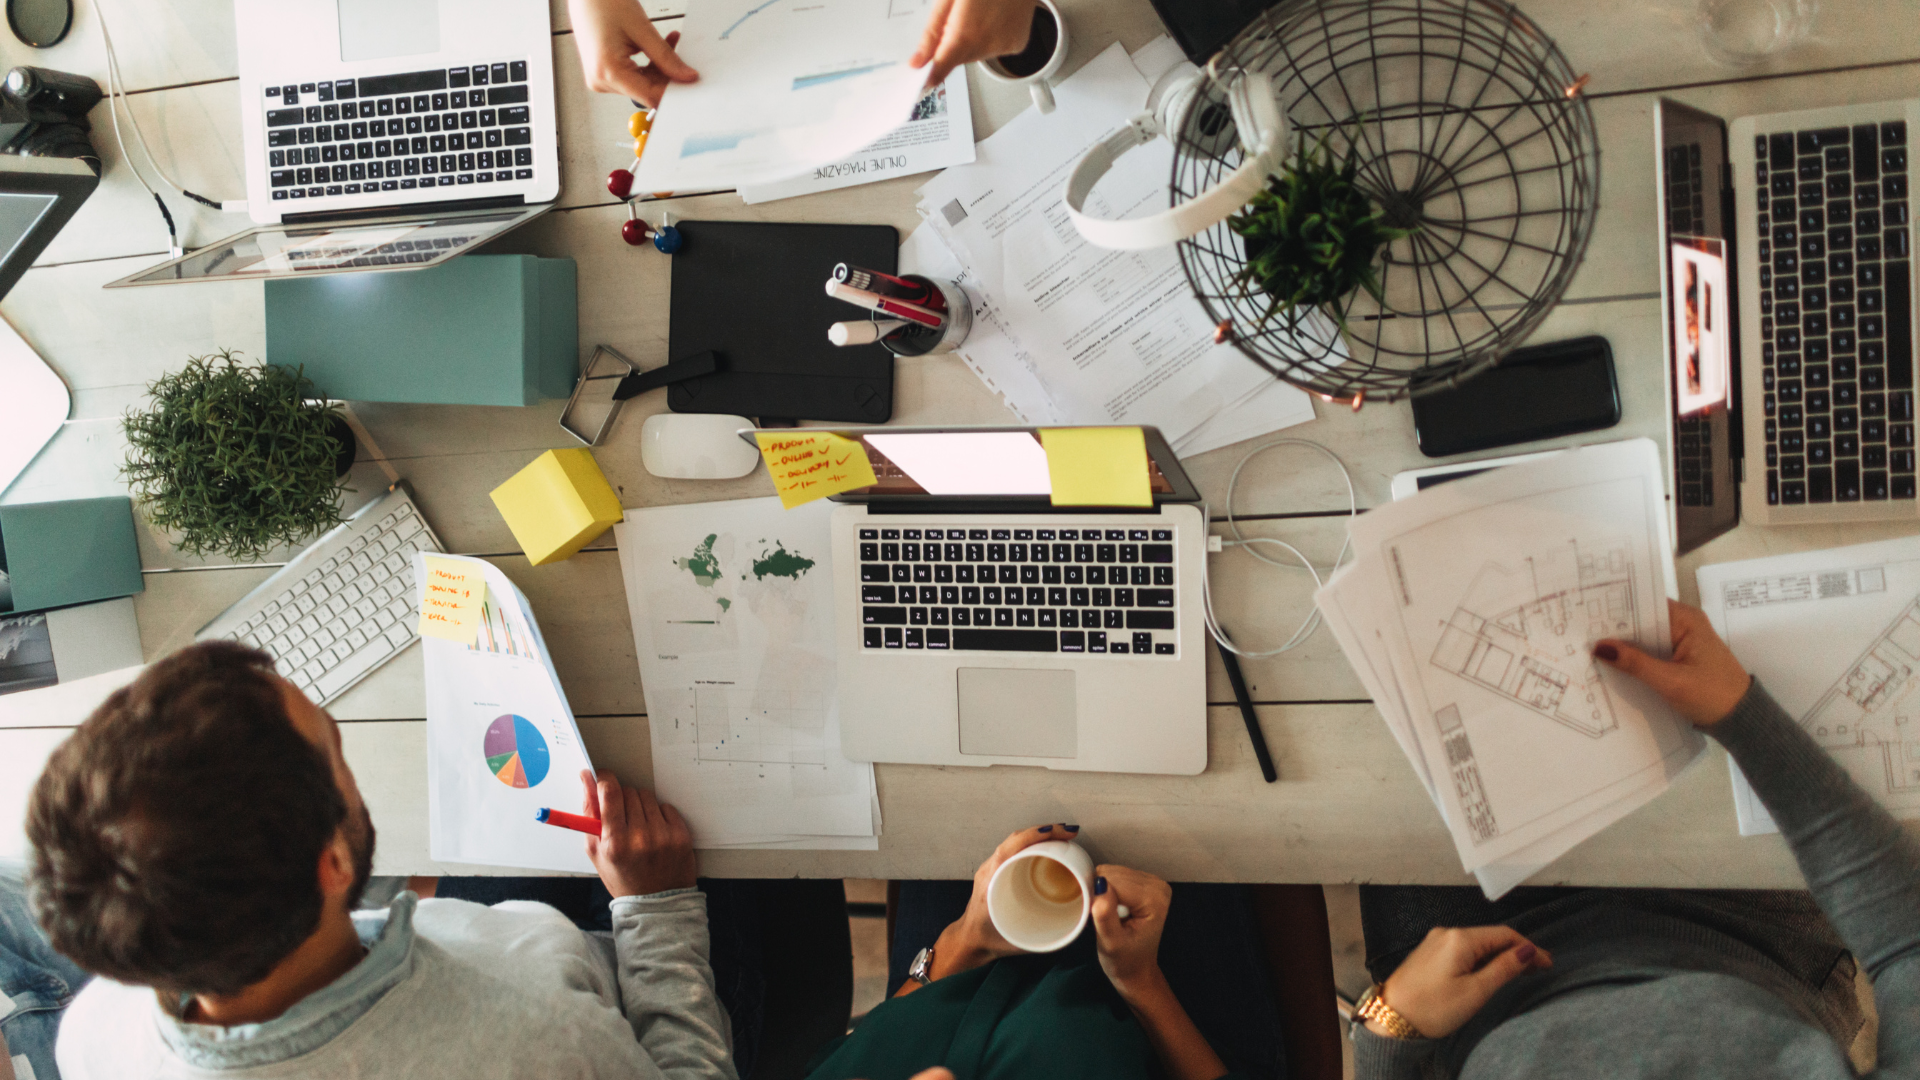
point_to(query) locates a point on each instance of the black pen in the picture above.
(1239, 681)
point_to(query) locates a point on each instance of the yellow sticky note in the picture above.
(808, 465)
(450, 601)
(1097, 466)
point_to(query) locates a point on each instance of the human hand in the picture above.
(1703, 681)
(644, 844)
(608, 33)
(1441, 984)
(1129, 947)
(963, 30)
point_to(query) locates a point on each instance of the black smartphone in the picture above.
(1539, 392)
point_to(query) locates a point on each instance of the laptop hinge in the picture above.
(497, 202)
(992, 506)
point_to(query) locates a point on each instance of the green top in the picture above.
(1018, 1018)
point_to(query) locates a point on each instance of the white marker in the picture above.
(862, 333)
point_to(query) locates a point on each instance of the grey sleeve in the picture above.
(666, 984)
(1861, 865)
(1376, 1057)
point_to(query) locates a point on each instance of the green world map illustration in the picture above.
(705, 569)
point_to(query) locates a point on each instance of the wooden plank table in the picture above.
(1347, 808)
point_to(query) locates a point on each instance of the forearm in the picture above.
(666, 984)
(954, 951)
(1859, 863)
(1183, 1052)
(1382, 1057)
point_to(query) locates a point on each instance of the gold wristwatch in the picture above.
(1375, 1008)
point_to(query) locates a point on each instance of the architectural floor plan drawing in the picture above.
(1869, 711)
(1524, 633)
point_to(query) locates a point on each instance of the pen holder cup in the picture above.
(925, 341)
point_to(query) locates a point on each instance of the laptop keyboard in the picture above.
(1686, 216)
(1108, 591)
(1836, 314)
(400, 132)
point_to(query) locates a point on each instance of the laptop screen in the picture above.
(984, 464)
(400, 243)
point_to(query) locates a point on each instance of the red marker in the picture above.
(590, 826)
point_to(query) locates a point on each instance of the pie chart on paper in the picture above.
(516, 752)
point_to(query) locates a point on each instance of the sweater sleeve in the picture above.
(1860, 864)
(1376, 1057)
(666, 984)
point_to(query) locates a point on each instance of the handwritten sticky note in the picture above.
(1097, 466)
(808, 465)
(450, 601)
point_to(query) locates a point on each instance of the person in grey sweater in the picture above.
(1642, 983)
(200, 845)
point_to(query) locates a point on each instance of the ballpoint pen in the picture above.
(1240, 695)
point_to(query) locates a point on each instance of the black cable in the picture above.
(173, 237)
(201, 199)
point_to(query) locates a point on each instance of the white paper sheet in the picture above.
(938, 133)
(1480, 661)
(1835, 637)
(785, 85)
(501, 740)
(732, 607)
(1079, 334)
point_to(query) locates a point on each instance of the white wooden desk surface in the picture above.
(1347, 807)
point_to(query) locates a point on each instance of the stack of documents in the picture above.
(733, 622)
(1470, 612)
(1834, 636)
(1070, 333)
(501, 739)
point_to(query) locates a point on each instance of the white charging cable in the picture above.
(1312, 621)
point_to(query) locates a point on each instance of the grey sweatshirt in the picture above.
(1622, 1005)
(456, 990)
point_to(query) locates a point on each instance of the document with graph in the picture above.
(1473, 609)
(501, 738)
(785, 86)
(1834, 636)
(732, 607)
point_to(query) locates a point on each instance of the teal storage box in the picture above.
(74, 552)
(476, 330)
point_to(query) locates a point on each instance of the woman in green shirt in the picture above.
(987, 1011)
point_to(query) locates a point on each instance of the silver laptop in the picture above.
(384, 135)
(1819, 310)
(980, 625)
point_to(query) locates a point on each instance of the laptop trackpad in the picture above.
(1018, 712)
(377, 29)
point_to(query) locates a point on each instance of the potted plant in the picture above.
(237, 458)
(1312, 236)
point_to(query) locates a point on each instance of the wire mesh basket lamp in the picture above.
(1468, 128)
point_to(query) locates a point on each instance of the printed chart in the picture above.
(516, 752)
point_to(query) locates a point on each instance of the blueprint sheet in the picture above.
(1470, 611)
(732, 607)
(1835, 637)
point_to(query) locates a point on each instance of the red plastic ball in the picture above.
(620, 183)
(633, 231)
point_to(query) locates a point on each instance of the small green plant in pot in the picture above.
(236, 458)
(1312, 236)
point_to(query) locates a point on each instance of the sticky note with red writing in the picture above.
(808, 465)
(450, 598)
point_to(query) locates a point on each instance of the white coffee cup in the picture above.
(1041, 897)
(1035, 80)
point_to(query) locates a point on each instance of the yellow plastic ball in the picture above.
(639, 124)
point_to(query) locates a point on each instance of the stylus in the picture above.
(1239, 681)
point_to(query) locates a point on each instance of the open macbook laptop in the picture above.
(978, 624)
(1812, 290)
(384, 135)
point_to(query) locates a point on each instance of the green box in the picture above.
(477, 330)
(74, 552)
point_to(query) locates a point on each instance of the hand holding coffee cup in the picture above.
(1129, 914)
(1041, 897)
(1040, 60)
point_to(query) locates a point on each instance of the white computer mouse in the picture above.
(696, 446)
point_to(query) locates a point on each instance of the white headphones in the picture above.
(1257, 121)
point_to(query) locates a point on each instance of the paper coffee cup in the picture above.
(1040, 899)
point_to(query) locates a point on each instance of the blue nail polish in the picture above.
(1046, 828)
(1073, 828)
(1099, 886)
